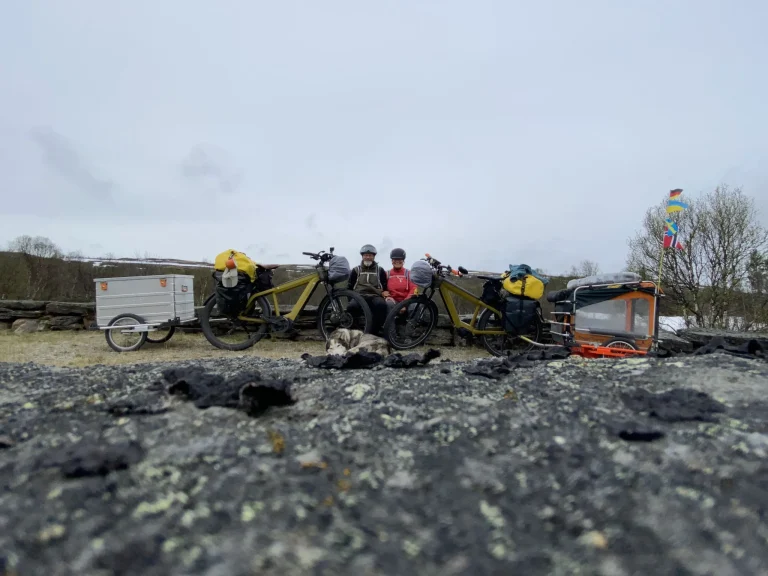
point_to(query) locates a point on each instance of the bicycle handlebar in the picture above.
(323, 256)
(445, 268)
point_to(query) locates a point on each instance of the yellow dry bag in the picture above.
(528, 286)
(242, 262)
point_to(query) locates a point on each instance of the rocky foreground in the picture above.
(247, 466)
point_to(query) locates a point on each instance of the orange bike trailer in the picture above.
(597, 317)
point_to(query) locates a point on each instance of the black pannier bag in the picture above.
(492, 294)
(263, 279)
(520, 314)
(231, 301)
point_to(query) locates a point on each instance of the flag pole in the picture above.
(661, 263)
(673, 205)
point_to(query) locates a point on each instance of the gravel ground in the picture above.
(563, 467)
(80, 349)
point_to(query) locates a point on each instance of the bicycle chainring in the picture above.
(281, 324)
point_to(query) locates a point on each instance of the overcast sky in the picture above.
(486, 133)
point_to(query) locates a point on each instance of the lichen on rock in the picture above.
(557, 466)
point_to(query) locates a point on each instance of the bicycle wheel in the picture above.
(503, 345)
(410, 323)
(232, 333)
(332, 313)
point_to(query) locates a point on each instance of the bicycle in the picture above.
(420, 311)
(259, 317)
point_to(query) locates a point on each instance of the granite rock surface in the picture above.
(253, 466)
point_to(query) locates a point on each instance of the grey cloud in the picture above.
(421, 140)
(207, 163)
(385, 247)
(316, 233)
(61, 156)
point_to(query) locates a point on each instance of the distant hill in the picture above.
(72, 278)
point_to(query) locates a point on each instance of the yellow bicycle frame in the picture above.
(446, 288)
(311, 281)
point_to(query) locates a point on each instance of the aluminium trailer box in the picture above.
(156, 299)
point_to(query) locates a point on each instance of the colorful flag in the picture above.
(671, 228)
(674, 204)
(670, 235)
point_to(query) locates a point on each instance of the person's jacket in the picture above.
(399, 284)
(368, 281)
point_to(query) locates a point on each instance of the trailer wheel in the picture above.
(620, 343)
(133, 340)
(165, 338)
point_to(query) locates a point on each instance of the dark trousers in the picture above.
(379, 310)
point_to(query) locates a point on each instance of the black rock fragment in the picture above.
(641, 435)
(97, 459)
(676, 405)
(750, 349)
(362, 359)
(397, 360)
(257, 395)
(663, 353)
(550, 353)
(498, 367)
(633, 431)
(488, 369)
(204, 389)
(247, 391)
(365, 359)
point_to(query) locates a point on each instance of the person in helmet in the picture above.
(399, 282)
(370, 281)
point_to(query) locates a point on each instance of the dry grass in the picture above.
(76, 349)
